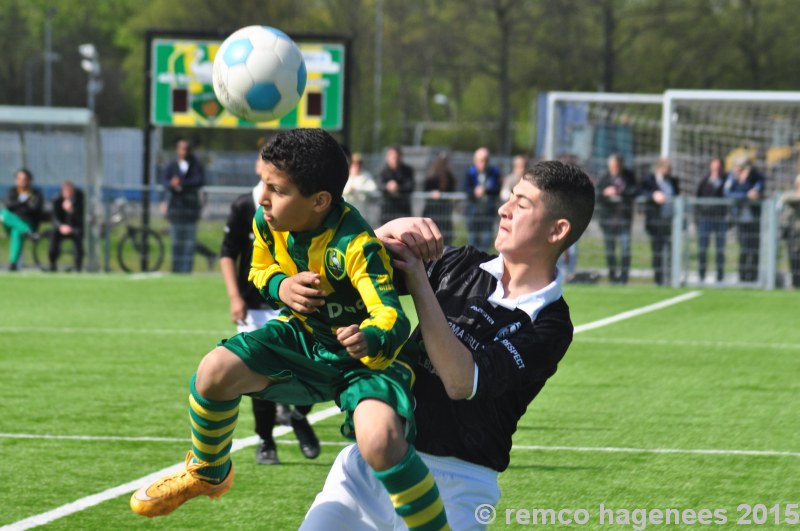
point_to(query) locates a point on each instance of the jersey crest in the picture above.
(334, 263)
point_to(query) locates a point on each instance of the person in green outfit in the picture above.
(337, 337)
(20, 217)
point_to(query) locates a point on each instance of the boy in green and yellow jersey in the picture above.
(337, 337)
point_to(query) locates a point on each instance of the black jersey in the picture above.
(238, 245)
(514, 355)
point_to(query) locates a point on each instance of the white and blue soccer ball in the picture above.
(259, 73)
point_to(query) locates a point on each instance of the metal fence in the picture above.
(704, 243)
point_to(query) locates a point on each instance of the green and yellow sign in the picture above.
(182, 94)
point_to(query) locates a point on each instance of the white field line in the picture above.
(120, 490)
(637, 312)
(611, 449)
(284, 430)
(94, 437)
(691, 343)
(89, 501)
(99, 330)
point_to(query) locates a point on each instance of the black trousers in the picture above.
(264, 413)
(55, 247)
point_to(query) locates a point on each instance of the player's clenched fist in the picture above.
(353, 340)
(301, 292)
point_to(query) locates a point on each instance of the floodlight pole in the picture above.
(49, 56)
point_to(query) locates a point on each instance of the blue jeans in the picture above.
(705, 228)
(613, 235)
(183, 236)
(481, 214)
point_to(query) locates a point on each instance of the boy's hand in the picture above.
(238, 309)
(421, 235)
(404, 260)
(353, 340)
(300, 292)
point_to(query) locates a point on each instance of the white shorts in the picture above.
(255, 319)
(354, 500)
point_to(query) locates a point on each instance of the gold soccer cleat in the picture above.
(170, 492)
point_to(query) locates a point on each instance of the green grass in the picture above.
(111, 356)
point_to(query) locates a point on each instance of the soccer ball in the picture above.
(259, 73)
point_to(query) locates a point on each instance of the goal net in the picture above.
(762, 125)
(585, 129)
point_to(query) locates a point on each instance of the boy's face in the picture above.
(525, 226)
(285, 208)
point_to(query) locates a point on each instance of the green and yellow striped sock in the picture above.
(212, 432)
(414, 493)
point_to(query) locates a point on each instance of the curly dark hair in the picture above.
(312, 158)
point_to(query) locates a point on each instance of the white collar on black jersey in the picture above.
(531, 303)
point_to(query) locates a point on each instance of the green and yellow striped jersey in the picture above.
(356, 275)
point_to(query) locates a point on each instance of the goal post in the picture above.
(762, 125)
(56, 144)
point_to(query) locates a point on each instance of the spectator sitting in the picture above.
(21, 215)
(68, 209)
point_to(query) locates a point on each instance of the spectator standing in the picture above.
(183, 179)
(745, 185)
(360, 184)
(711, 219)
(659, 190)
(510, 181)
(482, 186)
(440, 179)
(791, 229)
(616, 191)
(397, 183)
(21, 215)
(68, 212)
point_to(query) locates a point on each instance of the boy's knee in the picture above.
(214, 372)
(383, 447)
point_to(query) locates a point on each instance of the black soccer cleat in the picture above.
(267, 454)
(309, 444)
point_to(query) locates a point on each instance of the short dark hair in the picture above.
(312, 158)
(567, 192)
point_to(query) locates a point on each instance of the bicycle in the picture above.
(130, 248)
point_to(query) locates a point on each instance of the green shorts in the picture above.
(306, 372)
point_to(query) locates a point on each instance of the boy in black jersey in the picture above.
(492, 331)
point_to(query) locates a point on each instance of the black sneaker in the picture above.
(309, 444)
(267, 454)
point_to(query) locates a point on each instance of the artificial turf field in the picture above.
(692, 406)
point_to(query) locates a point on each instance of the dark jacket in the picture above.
(72, 219)
(744, 210)
(183, 203)
(238, 246)
(709, 190)
(30, 210)
(397, 204)
(492, 184)
(616, 212)
(656, 215)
